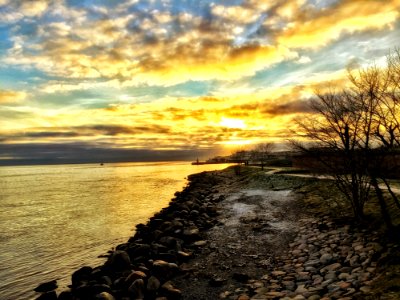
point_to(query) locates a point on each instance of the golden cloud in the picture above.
(313, 30)
(11, 97)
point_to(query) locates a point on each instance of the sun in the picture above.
(232, 123)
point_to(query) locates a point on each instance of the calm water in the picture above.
(55, 219)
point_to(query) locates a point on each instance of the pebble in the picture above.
(333, 264)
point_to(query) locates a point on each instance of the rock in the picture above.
(104, 296)
(365, 289)
(299, 297)
(312, 263)
(243, 297)
(170, 291)
(344, 276)
(325, 258)
(278, 273)
(82, 275)
(46, 287)
(48, 296)
(301, 289)
(314, 297)
(119, 261)
(164, 270)
(137, 289)
(133, 276)
(275, 294)
(200, 243)
(153, 284)
(296, 252)
(333, 267)
(65, 295)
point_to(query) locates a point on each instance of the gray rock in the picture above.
(325, 258)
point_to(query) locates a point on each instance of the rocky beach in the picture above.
(257, 235)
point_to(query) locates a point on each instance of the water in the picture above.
(55, 219)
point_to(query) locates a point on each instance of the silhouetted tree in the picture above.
(357, 127)
(261, 153)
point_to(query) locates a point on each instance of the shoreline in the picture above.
(184, 251)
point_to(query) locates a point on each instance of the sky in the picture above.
(86, 80)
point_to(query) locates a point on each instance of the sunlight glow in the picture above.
(232, 123)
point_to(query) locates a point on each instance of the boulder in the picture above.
(46, 287)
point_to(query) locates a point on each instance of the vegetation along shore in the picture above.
(260, 234)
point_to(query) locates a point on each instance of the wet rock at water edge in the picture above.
(119, 261)
(81, 276)
(46, 287)
(48, 296)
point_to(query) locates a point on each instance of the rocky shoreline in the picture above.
(235, 237)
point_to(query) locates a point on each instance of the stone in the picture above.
(119, 261)
(153, 284)
(104, 296)
(344, 285)
(365, 289)
(200, 243)
(314, 297)
(243, 297)
(344, 276)
(296, 252)
(170, 291)
(312, 263)
(133, 276)
(301, 289)
(278, 273)
(333, 267)
(330, 275)
(80, 276)
(325, 258)
(46, 287)
(137, 289)
(275, 294)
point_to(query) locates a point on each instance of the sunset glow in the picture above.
(132, 78)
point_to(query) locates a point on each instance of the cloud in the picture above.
(11, 97)
(316, 28)
(292, 107)
(143, 44)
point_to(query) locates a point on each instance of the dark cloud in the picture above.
(291, 107)
(49, 153)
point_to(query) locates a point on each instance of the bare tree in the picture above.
(357, 127)
(261, 153)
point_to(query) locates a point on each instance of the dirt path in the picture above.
(257, 221)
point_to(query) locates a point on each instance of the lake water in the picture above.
(55, 219)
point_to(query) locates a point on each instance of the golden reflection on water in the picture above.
(55, 219)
